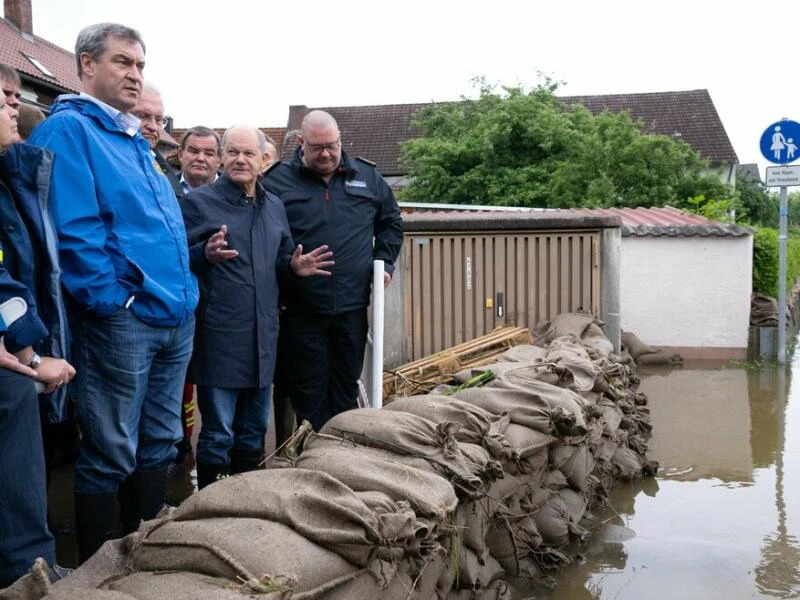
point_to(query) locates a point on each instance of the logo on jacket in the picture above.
(355, 183)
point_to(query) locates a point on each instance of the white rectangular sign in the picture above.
(783, 176)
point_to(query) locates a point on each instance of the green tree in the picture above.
(521, 147)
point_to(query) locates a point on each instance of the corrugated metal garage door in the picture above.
(461, 286)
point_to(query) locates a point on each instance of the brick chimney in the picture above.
(20, 14)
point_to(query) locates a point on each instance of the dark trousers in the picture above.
(23, 498)
(322, 360)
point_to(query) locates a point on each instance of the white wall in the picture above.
(687, 291)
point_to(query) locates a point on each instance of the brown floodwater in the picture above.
(722, 518)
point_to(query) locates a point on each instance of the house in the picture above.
(377, 132)
(45, 69)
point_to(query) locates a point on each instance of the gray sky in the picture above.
(224, 62)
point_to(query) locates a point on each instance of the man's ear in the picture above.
(87, 64)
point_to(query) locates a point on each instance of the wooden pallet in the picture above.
(421, 376)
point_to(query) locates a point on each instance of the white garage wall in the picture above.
(687, 292)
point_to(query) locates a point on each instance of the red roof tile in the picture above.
(60, 62)
(276, 134)
(665, 221)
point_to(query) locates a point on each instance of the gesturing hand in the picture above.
(313, 263)
(215, 250)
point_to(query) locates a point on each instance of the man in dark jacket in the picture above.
(344, 203)
(240, 246)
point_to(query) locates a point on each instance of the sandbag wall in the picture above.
(443, 496)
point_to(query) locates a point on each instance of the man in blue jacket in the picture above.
(344, 203)
(125, 265)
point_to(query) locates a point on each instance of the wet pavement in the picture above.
(721, 518)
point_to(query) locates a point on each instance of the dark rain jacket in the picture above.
(29, 266)
(237, 317)
(356, 209)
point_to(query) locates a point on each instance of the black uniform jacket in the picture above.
(356, 215)
(237, 316)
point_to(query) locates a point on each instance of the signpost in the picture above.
(779, 145)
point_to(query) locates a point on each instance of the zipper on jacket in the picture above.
(327, 195)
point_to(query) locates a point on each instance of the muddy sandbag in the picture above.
(596, 342)
(478, 426)
(511, 539)
(234, 548)
(530, 469)
(660, 357)
(574, 461)
(763, 311)
(612, 417)
(626, 463)
(520, 372)
(525, 440)
(405, 433)
(313, 503)
(563, 324)
(540, 406)
(481, 463)
(75, 593)
(569, 359)
(526, 353)
(146, 585)
(554, 522)
(635, 347)
(429, 494)
(496, 590)
(368, 587)
(475, 572)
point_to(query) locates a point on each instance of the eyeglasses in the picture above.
(158, 120)
(332, 147)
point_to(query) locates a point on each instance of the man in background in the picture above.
(200, 156)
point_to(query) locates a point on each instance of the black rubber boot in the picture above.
(141, 497)
(128, 505)
(208, 473)
(244, 460)
(96, 521)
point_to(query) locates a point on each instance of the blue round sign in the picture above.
(780, 142)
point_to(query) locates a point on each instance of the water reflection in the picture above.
(719, 522)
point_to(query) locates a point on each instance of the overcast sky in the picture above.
(224, 62)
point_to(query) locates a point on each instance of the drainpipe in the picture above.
(610, 249)
(376, 385)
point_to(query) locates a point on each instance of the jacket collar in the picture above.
(346, 165)
(233, 193)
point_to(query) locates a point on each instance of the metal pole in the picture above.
(376, 385)
(782, 280)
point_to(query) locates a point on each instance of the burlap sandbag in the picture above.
(627, 464)
(526, 353)
(405, 433)
(478, 426)
(570, 360)
(76, 593)
(474, 572)
(496, 590)
(521, 372)
(233, 548)
(510, 539)
(429, 494)
(525, 441)
(661, 357)
(574, 461)
(635, 347)
(596, 342)
(145, 585)
(540, 406)
(314, 504)
(563, 324)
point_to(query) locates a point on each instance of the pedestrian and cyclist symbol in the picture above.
(780, 142)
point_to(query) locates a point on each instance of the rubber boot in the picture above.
(96, 521)
(128, 505)
(245, 459)
(208, 473)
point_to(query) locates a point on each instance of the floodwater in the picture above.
(722, 518)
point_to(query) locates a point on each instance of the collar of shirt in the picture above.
(128, 123)
(185, 184)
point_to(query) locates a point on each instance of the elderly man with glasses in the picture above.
(343, 202)
(150, 112)
(125, 267)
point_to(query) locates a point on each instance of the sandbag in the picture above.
(635, 347)
(429, 494)
(526, 353)
(145, 585)
(313, 503)
(570, 360)
(478, 426)
(540, 406)
(405, 433)
(562, 324)
(525, 440)
(575, 462)
(234, 548)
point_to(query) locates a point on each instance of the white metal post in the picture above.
(376, 385)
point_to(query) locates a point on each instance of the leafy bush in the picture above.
(765, 260)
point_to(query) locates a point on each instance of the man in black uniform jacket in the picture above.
(335, 200)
